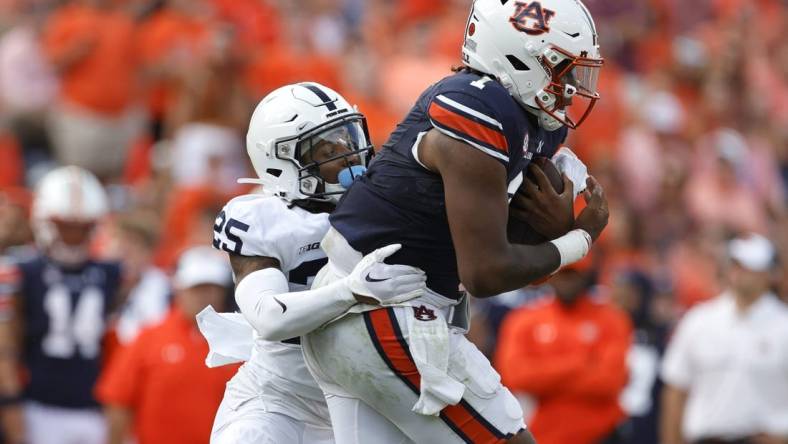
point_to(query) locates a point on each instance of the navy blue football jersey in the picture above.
(64, 315)
(400, 201)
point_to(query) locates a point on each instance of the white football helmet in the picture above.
(67, 195)
(545, 53)
(284, 128)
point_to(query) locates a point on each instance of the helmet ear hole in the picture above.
(274, 172)
(517, 63)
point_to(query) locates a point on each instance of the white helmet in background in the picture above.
(67, 204)
(545, 53)
(287, 124)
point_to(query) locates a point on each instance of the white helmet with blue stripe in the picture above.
(286, 130)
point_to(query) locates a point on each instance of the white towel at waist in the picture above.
(230, 337)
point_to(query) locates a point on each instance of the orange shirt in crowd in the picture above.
(182, 216)
(409, 11)
(12, 166)
(102, 76)
(255, 22)
(573, 361)
(167, 41)
(598, 136)
(163, 379)
(380, 119)
(278, 65)
(693, 274)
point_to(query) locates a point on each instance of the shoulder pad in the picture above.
(476, 110)
(258, 225)
(242, 227)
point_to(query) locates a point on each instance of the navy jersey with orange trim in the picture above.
(64, 312)
(399, 201)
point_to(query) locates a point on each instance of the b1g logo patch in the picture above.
(531, 18)
(308, 248)
(423, 313)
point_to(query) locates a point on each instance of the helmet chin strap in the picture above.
(546, 121)
(332, 192)
(336, 189)
(549, 122)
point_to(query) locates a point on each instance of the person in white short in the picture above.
(307, 145)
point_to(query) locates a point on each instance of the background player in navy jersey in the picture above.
(54, 308)
(441, 187)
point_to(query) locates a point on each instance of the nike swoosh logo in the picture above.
(369, 278)
(575, 35)
(284, 307)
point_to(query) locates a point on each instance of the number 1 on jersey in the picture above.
(481, 82)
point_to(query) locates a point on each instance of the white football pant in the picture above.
(57, 425)
(364, 366)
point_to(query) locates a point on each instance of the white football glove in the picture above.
(387, 284)
(568, 163)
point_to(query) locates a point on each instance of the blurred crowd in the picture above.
(689, 140)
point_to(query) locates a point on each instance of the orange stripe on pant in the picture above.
(390, 344)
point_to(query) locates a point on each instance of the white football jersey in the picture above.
(259, 225)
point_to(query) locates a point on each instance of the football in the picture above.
(518, 229)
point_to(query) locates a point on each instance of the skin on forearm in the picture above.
(9, 375)
(244, 265)
(475, 184)
(12, 416)
(673, 401)
(527, 263)
(13, 421)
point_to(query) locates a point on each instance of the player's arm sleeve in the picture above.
(278, 314)
(250, 229)
(469, 119)
(677, 363)
(522, 369)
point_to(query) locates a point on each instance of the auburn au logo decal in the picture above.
(531, 18)
(423, 313)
